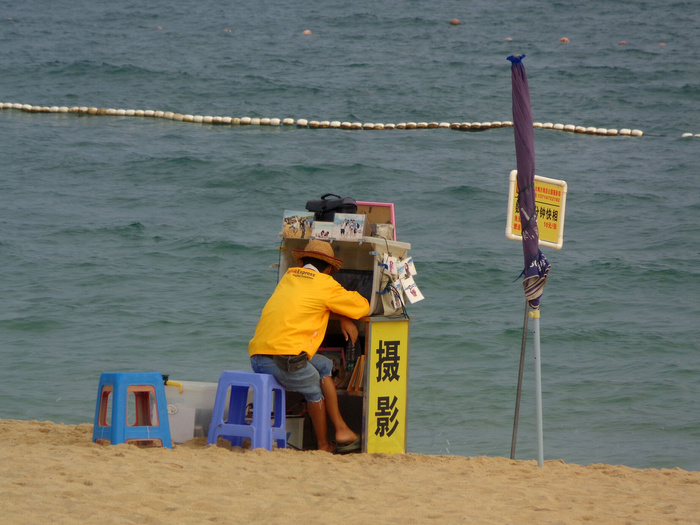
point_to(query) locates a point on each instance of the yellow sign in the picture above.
(387, 382)
(550, 204)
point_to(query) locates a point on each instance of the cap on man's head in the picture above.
(318, 249)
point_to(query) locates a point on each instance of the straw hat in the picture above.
(319, 250)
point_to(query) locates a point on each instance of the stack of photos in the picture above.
(402, 272)
(297, 224)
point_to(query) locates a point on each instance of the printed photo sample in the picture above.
(297, 224)
(349, 225)
(323, 230)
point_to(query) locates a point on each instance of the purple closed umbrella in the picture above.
(536, 267)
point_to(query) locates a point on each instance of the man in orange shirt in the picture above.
(291, 328)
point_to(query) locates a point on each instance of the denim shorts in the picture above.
(307, 380)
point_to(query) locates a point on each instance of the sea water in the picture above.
(149, 244)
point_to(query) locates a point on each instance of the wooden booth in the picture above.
(372, 380)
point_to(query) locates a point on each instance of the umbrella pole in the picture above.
(535, 315)
(520, 384)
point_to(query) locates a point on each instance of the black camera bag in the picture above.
(325, 209)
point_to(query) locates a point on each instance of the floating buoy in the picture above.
(307, 32)
(564, 40)
(623, 43)
(454, 22)
(462, 126)
(508, 38)
(662, 44)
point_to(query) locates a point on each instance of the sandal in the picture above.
(349, 447)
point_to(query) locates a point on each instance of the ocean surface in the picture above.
(135, 244)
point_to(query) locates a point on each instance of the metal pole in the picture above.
(535, 315)
(520, 384)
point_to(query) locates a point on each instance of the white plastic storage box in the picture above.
(190, 406)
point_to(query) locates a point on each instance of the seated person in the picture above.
(291, 328)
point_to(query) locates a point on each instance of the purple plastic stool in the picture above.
(233, 426)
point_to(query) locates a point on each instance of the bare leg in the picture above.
(317, 412)
(343, 433)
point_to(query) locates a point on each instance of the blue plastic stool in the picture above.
(130, 417)
(233, 427)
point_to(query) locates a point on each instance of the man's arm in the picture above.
(347, 326)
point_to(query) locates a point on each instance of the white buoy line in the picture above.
(304, 123)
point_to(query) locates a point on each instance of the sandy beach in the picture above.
(53, 473)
